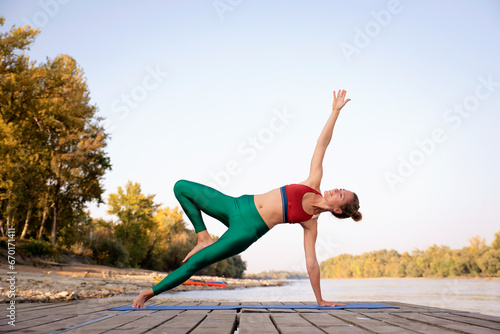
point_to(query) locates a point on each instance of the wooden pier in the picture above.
(92, 316)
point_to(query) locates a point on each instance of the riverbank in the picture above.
(60, 282)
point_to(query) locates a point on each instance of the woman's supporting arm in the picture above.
(316, 170)
(313, 269)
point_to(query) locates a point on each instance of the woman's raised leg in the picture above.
(194, 198)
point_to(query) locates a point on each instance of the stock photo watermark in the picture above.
(454, 117)
(48, 10)
(11, 276)
(132, 99)
(224, 6)
(249, 148)
(450, 294)
(372, 29)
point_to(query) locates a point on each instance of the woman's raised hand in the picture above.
(339, 100)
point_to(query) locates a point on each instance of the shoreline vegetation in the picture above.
(477, 260)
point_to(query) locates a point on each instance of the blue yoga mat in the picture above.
(251, 306)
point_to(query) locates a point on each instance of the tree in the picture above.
(496, 242)
(16, 95)
(135, 212)
(51, 142)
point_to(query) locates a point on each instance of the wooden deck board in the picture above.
(217, 323)
(482, 316)
(293, 323)
(49, 319)
(466, 320)
(145, 324)
(330, 324)
(419, 327)
(447, 324)
(256, 323)
(67, 323)
(180, 324)
(93, 316)
(371, 324)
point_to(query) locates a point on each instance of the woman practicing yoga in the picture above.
(249, 217)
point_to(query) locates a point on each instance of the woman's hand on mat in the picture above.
(339, 100)
(325, 303)
(143, 297)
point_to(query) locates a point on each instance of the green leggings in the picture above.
(245, 226)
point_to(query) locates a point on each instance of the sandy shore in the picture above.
(80, 281)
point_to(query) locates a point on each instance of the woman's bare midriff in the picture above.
(270, 207)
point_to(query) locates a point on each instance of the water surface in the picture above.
(473, 295)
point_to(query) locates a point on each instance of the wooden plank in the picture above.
(370, 324)
(256, 323)
(20, 317)
(107, 323)
(217, 323)
(447, 324)
(39, 321)
(180, 324)
(471, 321)
(32, 306)
(293, 323)
(41, 316)
(68, 323)
(330, 324)
(108, 320)
(251, 310)
(405, 307)
(75, 309)
(146, 324)
(408, 324)
(481, 316)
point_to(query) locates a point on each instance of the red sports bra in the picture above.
(291, 197)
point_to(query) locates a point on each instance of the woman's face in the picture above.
(337, 198)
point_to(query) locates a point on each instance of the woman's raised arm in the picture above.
(316, 171)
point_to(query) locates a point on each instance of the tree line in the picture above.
(52, 163)
(145, 235)
(279, 275)
(475, 260)
(51, 141)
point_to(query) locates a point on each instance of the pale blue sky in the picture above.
(221, 75)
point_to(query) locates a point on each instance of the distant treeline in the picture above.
(476, 260)
(278, 274)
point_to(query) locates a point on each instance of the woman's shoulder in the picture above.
(311, 185)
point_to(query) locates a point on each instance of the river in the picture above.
(473, 295)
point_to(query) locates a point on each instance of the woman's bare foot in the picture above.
(204, 240)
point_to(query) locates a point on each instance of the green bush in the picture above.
(110, 252)
(38, 248)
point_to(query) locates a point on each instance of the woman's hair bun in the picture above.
(357, 216)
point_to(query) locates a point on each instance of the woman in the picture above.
(249, 217)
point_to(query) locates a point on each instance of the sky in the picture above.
(234, 94)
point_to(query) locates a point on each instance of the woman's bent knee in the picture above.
(180, 186)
